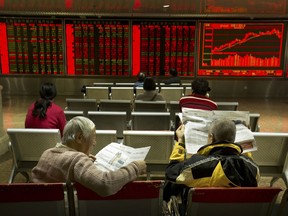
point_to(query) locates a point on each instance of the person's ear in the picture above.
(78, 138)
(211, 138)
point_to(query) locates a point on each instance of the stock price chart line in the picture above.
(242, 49)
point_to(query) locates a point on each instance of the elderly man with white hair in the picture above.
(71, 161)
(221, 163)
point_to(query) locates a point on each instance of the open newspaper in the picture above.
(115, 156)
(197, 124)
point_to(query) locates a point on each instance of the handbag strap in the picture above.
(153, 97)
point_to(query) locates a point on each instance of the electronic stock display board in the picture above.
(97, 47)
(242, 49)
(102, 47)
(158, 46)
(31, 46)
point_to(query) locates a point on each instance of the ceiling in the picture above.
(144, 8)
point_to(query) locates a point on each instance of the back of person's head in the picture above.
(223, 130)
(200, 86)
(149, 84)
(173, 72)
(47, 93)
(141, 77)
(78, 125)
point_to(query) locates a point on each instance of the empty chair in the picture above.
(116, 105)
(139, 198)
(109, 120)
(272, 154)
(161, 143)
(237, 201)
(97, 93)
(103, 138)
(150, 106)
(254, 119)
(232, 106)
(122, 93)
(81, 104)
(174, 108)
(150, 121)
(27, 145)
(124, 84)
(172, 93)
(106, 84)
(69, 114)
(187, 89)
(34, 199)
(171, 84)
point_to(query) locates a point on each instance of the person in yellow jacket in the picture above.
(218, 164)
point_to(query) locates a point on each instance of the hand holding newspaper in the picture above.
(115, 156)
(197, 124)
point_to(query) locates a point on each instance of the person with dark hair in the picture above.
(71, 161)
(199, 99)
(140, 81)
(150, 93)
(221, 163)
(174, 78)
(44, 113)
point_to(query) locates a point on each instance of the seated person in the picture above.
(71, 161)
(140, 80)
(218, 164)
(174, 78)
(44, 113)
(150, 93)
(199, 98)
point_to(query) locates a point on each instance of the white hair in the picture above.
(223, 130)
(77, 125)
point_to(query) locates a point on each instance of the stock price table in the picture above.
(161, 45)
(32, 46)
(97, 47)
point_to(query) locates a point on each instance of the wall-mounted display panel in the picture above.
(244, 7)
(241, 49)
(97, 47)
(31, 46)
(158, 46)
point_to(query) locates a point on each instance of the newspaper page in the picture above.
(197, 124)
(115, 155)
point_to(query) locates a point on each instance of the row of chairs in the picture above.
(80, 104)
(137, 198)
(120, 120)
(27, 145)
(171, 93)
(143, 198)
(129, 93)
(61, 199)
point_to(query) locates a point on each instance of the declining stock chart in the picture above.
(241, 49)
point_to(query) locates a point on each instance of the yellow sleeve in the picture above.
(249, 154)
(178, 152)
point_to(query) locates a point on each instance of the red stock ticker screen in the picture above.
(31, 46)
(97, 47)
(158, 46)
(241, 49)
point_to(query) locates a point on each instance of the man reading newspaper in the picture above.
(197, 123)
